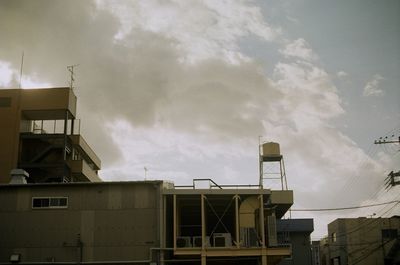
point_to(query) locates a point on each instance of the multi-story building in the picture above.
(144, 222)
(39, 134)
(55, 209)
(366, 241)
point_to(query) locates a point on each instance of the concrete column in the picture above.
(264, 259)
(203, 231)
(262, 221)
(174, 217)
(237, 220)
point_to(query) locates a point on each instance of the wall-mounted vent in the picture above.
(18, 176)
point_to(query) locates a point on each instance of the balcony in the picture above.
(82, 171)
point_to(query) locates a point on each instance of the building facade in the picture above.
(296, 233)
(144, 222)
(39, 134)
(367, 241)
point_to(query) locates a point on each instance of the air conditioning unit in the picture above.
(272, 234)
(222, 240)
(249, 237)
(197, 241)
(183, 242)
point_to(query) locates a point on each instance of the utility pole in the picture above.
(393, 178)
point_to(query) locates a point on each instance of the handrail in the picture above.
(210, 180)
(215, 185)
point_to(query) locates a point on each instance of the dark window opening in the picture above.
(50, 202)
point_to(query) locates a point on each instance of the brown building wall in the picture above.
(9, 132)
(18, 108)
(114, 221)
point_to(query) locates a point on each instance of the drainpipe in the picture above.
(80, 249)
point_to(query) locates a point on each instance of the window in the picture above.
(49, 202)
(333, 235)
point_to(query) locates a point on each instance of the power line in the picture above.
(343, 208)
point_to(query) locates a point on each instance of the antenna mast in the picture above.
(20, 72)
(72, 79)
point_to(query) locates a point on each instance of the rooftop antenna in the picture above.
(72, 79)
(145, 172)
(20, 72)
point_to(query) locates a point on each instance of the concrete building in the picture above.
(367, 241)
(316, 252)
(55, 210)
(39, 134)
(296, 234)
(144, 222)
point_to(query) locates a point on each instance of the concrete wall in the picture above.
(9, 132)
(114, 221)
(298, 232)
(360, 241)
(301, 250)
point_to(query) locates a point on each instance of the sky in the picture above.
(188, 89)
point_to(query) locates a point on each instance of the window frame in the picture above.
(50, 206)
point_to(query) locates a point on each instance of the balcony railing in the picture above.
(50, 126)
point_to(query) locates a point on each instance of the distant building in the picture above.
(316, 253)
(296, 234)
(39, 134)
(143, 222)
(364, 241)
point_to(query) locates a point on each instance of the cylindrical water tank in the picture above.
(271, 149)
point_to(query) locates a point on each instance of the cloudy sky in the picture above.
(186, 89)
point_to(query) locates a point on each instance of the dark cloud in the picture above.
(140, 78)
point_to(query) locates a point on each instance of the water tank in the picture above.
(271, 149)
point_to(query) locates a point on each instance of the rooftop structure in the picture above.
(141, 222)
(39, 134)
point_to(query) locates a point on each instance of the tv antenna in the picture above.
(70, 68)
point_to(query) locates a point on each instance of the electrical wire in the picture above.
(344, 208)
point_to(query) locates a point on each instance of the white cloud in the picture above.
(203, 30)
(6, 74)
(143, 104)
(299, 49)
(342, 74)
(372, 87)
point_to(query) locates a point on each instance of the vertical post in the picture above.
(203, 231)
(284, 173)
(72, 126)
(262, 228)
(280, 167)
(65, 148)
(261, 166)
(160, 222)
(65, 134)
(175, 230)
(237, 220)
(262, 221)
